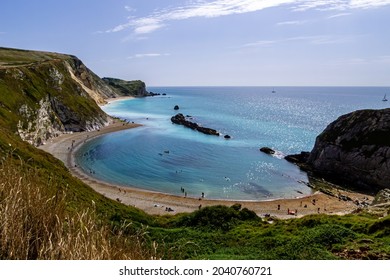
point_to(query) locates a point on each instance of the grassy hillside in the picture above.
(46, 213)
(128, 88)
(46, 94)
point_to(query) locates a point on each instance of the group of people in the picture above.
(185, 193)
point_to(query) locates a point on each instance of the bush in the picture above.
(218, 217)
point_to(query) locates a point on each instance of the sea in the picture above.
(164, 157)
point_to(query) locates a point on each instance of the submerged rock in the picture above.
(176, 107)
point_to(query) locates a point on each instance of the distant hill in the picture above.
(128, 88)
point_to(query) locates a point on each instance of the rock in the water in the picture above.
(227, 136)
(267, 150)
(181, 120)
(176, 107)
(355, 149)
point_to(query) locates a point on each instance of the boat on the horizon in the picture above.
(384, 98)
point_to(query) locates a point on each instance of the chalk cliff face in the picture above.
(355, 149)
(43, 95)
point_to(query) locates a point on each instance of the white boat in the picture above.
(384, 98)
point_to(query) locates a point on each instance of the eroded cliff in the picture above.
(355, 149)
(43, 95)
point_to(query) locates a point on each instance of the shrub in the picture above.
(217, 217)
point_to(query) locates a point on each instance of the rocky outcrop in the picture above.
(46, 94)
(355, 149)
(89, 82)
(128, 88)
(298, 158)
(181, 120)
(267, 150)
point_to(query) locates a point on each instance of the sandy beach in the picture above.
(110, 100)
(65, 146)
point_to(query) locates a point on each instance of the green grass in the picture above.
(16, 57)
(127, 88)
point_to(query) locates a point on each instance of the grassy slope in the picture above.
(26, 79)
(211, 233)
(127, 88)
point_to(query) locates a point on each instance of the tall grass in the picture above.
(35, 222)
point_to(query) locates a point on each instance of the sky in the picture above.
(211, 43)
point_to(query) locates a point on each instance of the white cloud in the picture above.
(146, 25)
(218, 8)
(294, 22)
(314, 40)
(340, 5)
(209, 9)
(143, 55)
(368, 3)
(339, 15)
(259, 43)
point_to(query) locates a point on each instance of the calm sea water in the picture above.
(165, 157)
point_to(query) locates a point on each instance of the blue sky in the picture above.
(215, 42)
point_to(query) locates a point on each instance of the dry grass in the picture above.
(35, 223)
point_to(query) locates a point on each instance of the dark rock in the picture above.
(227, 136)
(298, 158)
(176, 107)
(181, 120)
(355, 150)
(267, 150)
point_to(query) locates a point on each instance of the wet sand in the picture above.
(65, 146)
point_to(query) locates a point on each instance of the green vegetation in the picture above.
(42, 81)
(127, 88)
(15, 57)
(46, 213)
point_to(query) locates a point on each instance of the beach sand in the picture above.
(65, 146)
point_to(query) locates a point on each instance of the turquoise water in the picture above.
(165, 157)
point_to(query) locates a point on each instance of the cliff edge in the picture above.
(355, 150)
(43, 95)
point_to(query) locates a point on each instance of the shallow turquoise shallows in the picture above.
(164, 157)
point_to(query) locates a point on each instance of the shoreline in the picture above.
(65, 146)
(112, 100)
